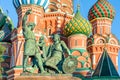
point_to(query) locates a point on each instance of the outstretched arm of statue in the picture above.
(24, 20)
(65, 47)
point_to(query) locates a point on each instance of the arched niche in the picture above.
(113, 41)
(100, 41)
(76, 53)
(89, 42)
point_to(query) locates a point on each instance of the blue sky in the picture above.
(85, 5)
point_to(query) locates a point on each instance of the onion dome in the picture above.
(2, 18)
(6, 26)
(102, 8)
(78, 25)
(43, 3)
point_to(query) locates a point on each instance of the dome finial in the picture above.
(78, 6)
(78, 11)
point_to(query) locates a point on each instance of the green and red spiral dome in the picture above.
(102, 8)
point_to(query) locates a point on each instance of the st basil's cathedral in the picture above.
(90, 41)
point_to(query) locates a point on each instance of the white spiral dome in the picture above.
(43, 3)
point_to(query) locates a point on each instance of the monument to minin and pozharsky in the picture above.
(51, 41)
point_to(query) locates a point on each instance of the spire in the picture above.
(105, 66)
(78, 11)
(78, 6)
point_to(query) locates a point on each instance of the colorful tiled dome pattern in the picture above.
(78, 25)
(102, 8)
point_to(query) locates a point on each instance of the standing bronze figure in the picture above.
(30, 46)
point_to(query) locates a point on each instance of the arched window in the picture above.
(49, 31)
(101, 31)
(96, 48)
(117, 60)
(112, 42)
(94, 62)
(75, 42)
(100, 41)
(95, 29)
(100, 48)
(89, 43)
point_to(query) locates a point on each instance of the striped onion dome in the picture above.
(43, 3)
(102, 8)
(78, 25)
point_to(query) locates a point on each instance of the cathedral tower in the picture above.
(38, 7)
(47, 20)
(101, 16)
(37, 15)
(77, 30)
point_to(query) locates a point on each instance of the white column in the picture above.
(58, 24)
(117, 60)
(35, 20)
(94, 62)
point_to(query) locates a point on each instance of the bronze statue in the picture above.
(42, 47)
(56, 53)
(30, 46)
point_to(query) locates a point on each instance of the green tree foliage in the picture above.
(2, 49)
